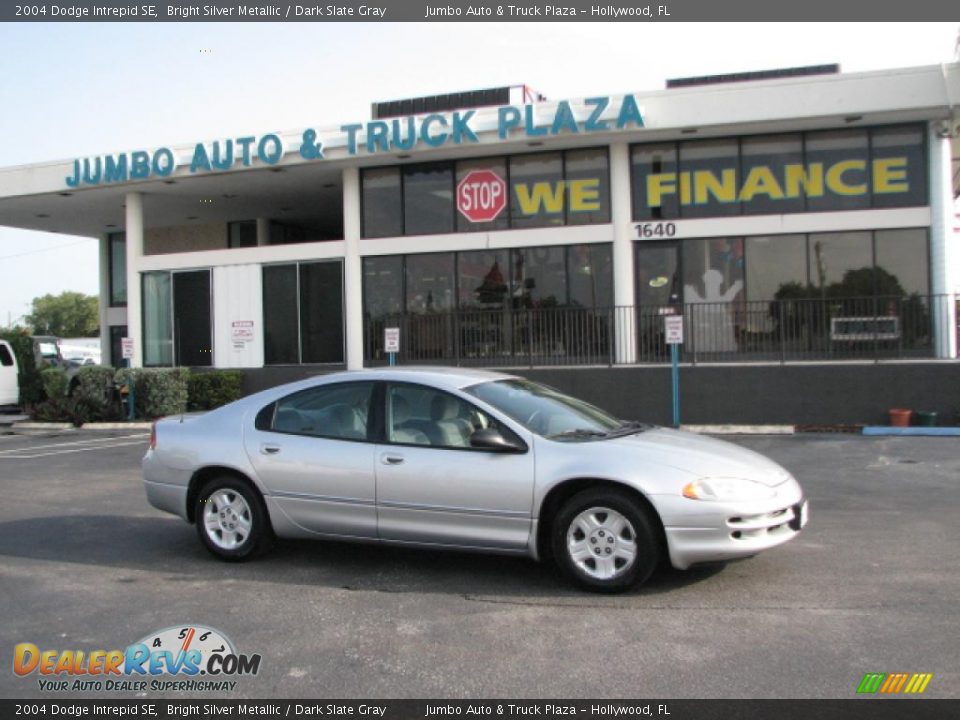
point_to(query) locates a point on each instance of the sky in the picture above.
(75, 90)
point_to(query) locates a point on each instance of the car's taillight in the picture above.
(153, 436)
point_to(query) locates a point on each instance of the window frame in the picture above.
(266, 416)
(744, 207)
(121, 239)
(387, 417)
(403, 169)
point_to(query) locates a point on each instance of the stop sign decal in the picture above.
(481, 195)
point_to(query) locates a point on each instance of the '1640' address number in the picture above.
(648, 231)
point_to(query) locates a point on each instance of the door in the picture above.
(433, 487)
(311, 451)
(659, 293)
(9, 383)
(192, 338)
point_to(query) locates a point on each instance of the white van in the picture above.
(9, 383)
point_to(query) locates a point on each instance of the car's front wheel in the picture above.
(605, 540)
(231, 519)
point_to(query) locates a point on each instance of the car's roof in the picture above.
(448, 377)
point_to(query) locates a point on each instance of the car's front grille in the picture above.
(751, 527)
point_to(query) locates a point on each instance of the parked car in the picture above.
(9, 376)
(471, 460)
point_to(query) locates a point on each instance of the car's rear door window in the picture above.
(340, 411)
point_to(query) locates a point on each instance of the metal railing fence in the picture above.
(805, 329)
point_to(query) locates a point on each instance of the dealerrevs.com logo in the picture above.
(179, 658)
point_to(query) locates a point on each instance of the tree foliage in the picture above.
(69, 314)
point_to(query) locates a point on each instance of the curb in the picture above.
(740, 429)
(43, 426)
(117, 426)
(87, 426)
(886, 430)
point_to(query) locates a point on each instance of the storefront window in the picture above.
(428, 199)
(157, 319)
(242, 234)
(838, 170)
(587, 177)
(537, 194)
(776, 267)
(303, 313)
(765, 160)
(540, 277)
(654, 180)
(707, 184)
(899, 177)
(712, 270)
(482, 279)
(321, 312)
(591, 275)
(118, 269)
(382, 203)
(902, 262)
(499, 167)
(281, 328)
(841, 264)
(429, 286)
(832, 170)
(383, 286)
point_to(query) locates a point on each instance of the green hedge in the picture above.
(79, 407)
(31, 384)
(212, 389)
(157, 392)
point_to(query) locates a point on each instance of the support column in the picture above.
(103, 306)
(624, 295)
(134, 228)
(944, 255)
(352, 269)
(263, 231)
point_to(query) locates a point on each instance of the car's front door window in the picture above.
(419, 415)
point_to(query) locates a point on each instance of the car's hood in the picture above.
(699, 455)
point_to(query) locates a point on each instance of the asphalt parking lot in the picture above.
(872, 585)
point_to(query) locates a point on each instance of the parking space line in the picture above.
(31, 453)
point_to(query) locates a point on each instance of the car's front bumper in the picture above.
(699, 531)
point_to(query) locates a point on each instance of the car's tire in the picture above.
(605, 540)
(231, 519)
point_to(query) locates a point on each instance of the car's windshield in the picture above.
(546, 411)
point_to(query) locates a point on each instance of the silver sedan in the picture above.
(469, 460)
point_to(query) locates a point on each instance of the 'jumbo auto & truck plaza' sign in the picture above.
(597, 114)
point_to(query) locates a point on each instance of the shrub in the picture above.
(93, 388)
(157, 392)
(54, 382)
(208, 390)
(31, 384)
(59, 407)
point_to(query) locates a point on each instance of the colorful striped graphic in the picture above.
(894, 683)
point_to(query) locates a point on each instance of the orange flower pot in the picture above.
(900, 417)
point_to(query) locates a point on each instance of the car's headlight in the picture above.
(726, 489)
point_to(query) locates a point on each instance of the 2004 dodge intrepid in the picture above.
(472, 460)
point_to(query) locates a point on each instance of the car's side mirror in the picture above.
(492, 439)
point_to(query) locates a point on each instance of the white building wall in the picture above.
(237, 316)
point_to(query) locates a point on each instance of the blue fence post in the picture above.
(675, 377)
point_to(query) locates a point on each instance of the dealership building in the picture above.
(801, 222)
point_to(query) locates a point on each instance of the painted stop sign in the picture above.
(481, 195)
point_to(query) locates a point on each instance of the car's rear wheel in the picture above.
(605, 540)
(231, 519)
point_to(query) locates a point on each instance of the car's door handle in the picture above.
(387, 459)
(269, 449)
